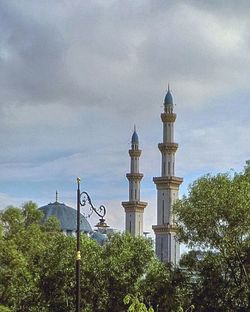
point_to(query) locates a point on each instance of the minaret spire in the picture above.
(167, 246)
(134, 208)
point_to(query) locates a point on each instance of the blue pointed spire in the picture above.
(135, 139)
(168, 98)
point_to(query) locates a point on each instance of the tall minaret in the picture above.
(167, 245)
(134, 208)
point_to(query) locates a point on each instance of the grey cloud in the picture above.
(31, 64)
(95, 54)
(76, 76)
(229, 8)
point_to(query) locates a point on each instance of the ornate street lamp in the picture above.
(83, 198)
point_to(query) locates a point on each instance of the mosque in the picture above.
(167, 186)
(67, 217)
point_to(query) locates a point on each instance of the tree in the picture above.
(37, 266)
(126, 260)
(4, 309)
(37, 270)
(135, 305)
(215, 219)
(21, 245)
(165, 288)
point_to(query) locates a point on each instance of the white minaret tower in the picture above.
(134, 208)
(167, 246)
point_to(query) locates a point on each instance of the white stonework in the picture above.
(167, 245)
(134, 208)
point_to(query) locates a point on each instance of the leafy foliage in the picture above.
(37, 261)
(126, 260)
(37, 265)
(135, 305)
(165, 288)
(214, 220)
(4, 309)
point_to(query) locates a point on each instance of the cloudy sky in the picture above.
(75, 76)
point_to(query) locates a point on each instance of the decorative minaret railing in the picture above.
(167, 245)
(134, 208)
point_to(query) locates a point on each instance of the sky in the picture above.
(75, 76)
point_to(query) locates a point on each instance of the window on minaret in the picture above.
(161, 249)
(169, 167)
(135, 193)
(173, 168)
(164, 169)
(163, 212)
(130, 227)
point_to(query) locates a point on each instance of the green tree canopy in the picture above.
(165, 288)
(37, 265)
(214, 220)
(126, 260)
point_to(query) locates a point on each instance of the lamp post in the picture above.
(83, 198)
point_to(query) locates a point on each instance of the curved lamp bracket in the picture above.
(86, 200)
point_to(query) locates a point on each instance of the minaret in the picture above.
(134, 208)
(167, 245)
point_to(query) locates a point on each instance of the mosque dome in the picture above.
(135, 139)
(168, 98)
(99, 237)
(66, 215)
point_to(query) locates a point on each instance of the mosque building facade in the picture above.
(167, 246)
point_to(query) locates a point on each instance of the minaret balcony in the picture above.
(168, 117)
(171, 182)
(165, 228)
(134, 153)
(134, 206)
(168, 147)
(134, 176)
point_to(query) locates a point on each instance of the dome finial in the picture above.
(168, 98)
(135, 139)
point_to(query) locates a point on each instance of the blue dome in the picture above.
(135, 139)
(99, 237)
(168, 98)
(66, 215)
